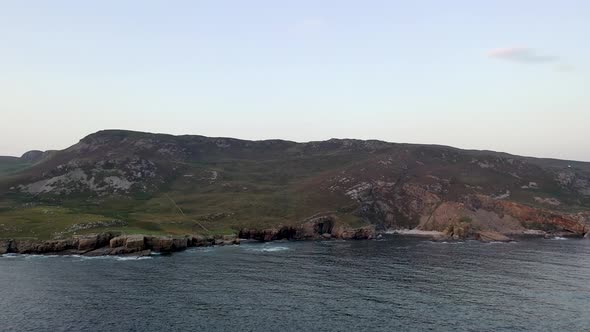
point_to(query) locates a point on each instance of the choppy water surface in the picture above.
(392, 284)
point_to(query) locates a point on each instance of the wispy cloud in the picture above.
(521, 55)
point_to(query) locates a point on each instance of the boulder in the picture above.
(364, 233)
(87, 243)
(135, 242)
(458, 231)
(118, 241)
(230, 239)
(199, 241)
(92, 241)
(128, 243)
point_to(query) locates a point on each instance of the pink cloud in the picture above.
(520, 54)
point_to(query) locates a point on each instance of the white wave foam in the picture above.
(274, 249)
(266, 249)
(10, 255)
(133, 258)
(558, 238)
(116, 258)
(40, 256)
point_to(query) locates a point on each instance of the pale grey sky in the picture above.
(505, 75)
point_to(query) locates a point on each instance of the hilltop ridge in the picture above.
(159, 183)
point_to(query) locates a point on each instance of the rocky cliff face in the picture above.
(320, 227)
(385, 185)
(102, 244)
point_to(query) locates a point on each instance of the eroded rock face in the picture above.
(5, 246)
(179, 244)
(200, 241)
(486, 213)
(167, 244)
(533, 217)
(34, 247)
(158, 243)
(110, 244)
(135, 242)
(92, 241)
(127, 244)
(322, 227)
(230, 239)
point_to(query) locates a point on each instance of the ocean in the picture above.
(392, 284)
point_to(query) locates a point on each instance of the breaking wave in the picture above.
(267, 248)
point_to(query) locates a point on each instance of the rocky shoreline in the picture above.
(104, 244)
(137, 245)
(110, 243)
(323, 227)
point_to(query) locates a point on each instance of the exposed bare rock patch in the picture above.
(548, 201)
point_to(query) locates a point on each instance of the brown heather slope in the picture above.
(162, 184)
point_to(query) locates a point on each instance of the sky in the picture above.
(509, 76)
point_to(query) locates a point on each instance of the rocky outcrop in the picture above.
(126, 244)
(5, 246)
(201, 241)
(548, 220)
(486, 213)
(35, 156)
(158, 243)
(458, 231)
(92, 241)
(112, 244)
(78, 244)
(33, 247)
(362, 233)
(322, 227)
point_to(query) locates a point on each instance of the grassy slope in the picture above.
(245, 194)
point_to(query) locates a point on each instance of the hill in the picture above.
(162, 184)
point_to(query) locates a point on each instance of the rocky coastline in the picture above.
(103, 244)
(112, 243)
(137, 245)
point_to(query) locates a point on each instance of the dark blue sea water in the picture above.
(395, 284)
